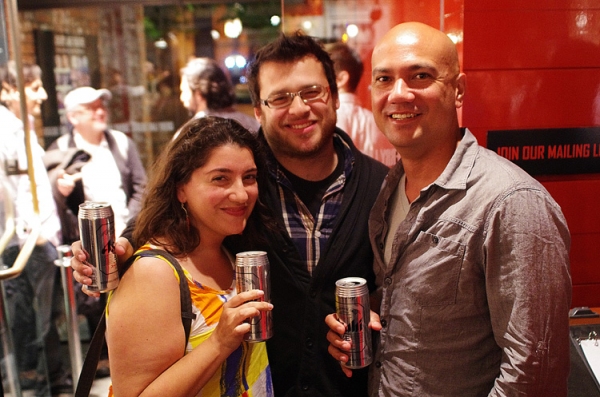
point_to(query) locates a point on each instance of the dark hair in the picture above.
(161, 216)
(8, 73)
(289, 49)
(346, 59)
(205, 75)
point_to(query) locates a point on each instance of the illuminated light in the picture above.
(275, 20)
(233, 28)
(230, 61)
(581, 20)
(345, 38)
(215, 34)
(456, 38)
(243, 80)
(307, 25)
(240, 61)
(235, 61)
(352, 30)
(161, 44)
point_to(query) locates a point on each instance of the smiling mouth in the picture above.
(301, 126)
(403, 116)
(236, 211)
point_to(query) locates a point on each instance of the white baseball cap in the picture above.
(83, 96)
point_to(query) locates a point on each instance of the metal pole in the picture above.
(12, 373)
(66, 275)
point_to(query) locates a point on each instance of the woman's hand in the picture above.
(233, 324)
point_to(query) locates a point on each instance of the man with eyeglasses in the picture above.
(321, 189)
(93, 163)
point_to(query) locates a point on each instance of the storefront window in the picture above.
(137, 51)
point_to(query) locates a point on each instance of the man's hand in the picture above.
(338, 347)
(66, 182)
(82, 271)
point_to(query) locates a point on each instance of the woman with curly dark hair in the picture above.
(203, 190)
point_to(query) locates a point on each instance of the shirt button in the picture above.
(435, 239)
(318, 233)
(381, 246)
(304, 387)
(388, 280)
(378, 364)
(383, 323)
(309, 342)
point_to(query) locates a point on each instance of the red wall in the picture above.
(538, 66)
(531, 64)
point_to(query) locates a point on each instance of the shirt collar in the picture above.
(457, 172)
(458, 169)
(81, 143)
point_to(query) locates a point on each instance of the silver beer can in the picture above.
(353, 309)
(97, 233)
(252, 272)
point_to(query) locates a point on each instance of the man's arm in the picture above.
(529, 294)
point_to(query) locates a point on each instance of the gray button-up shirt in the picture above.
(475, 298)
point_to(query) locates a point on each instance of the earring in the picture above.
(187, 218)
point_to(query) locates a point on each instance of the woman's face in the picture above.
(220, 195)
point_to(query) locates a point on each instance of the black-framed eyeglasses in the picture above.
(285, 99)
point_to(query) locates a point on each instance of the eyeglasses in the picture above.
(285, 99)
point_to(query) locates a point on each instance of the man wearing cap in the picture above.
(97, 163)
(93, 163)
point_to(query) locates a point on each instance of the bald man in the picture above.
(471, 253)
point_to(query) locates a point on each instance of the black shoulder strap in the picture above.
(88, 371)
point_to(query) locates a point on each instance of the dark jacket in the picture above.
(300, 363)
(62, 154)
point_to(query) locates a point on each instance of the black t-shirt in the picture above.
(311, 192)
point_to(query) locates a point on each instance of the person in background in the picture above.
(168, 106)
(32, 297)
(112, 171)
(471, 253)
(207, 91)
(203, 190)
(93, 163)
(321, 189)
(356, 120)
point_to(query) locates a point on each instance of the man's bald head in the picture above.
(410, 34)
(416, 88)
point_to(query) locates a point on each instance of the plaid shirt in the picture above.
(310, 235)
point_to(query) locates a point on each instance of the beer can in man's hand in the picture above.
(252, 272)
(353, 309)
(97, 233)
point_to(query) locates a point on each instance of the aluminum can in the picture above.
(252, 272)
(353, 309)
(97, 233)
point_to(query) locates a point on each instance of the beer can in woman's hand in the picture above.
(97, 233)
(353, 310)
(252, 272)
